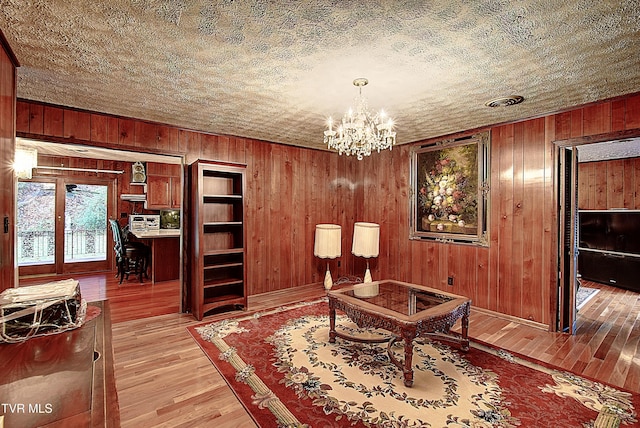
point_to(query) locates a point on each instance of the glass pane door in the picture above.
(85, 214)
(62, 225)
(36, 223)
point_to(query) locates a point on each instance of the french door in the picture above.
(62, 225)
(568, 240)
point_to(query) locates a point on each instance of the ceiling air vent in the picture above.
(505, 101)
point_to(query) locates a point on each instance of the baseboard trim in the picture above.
(511, 318)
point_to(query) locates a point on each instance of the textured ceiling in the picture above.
(275, 70)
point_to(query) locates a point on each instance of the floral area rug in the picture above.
(584, 295)
(286, 373)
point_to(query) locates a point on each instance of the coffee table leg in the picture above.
(408, 357)
(465, 332)
(332, 323)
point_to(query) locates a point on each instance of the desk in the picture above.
(165, 252)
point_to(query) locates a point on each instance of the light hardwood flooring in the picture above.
(164, 379)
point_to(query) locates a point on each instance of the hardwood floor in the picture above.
(163, 379)
(605, 346)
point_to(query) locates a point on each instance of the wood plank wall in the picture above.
(516, 274)
(511, 275)
(609, 184)
(8, 65)
(289, 189)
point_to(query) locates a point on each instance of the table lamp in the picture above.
(328, 245)
(366, 240)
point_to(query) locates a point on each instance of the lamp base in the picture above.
(371, 290)
(367, 276)
(365, 291)
(328, 281)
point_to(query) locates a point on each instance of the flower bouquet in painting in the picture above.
(448, 192)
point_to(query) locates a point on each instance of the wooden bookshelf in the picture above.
(216, 268)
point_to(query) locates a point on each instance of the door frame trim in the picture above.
(608, 137)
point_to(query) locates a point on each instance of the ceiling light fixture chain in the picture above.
(360, 132)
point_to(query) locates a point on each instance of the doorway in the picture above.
(62, 225)
(569, 154)
(77, 151)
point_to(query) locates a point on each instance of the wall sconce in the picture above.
(366, 240)
(328, 245)
(25, 160)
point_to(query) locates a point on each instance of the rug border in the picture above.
(550, 366)
(233, 390)
(191, 329)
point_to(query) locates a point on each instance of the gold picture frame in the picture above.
(449, 196)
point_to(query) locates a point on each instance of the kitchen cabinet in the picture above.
(164, 186)
(165, 252)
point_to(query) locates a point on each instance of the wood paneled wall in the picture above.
(516, 274)
(609, 184)
(512, 274)
(290, 190)
(8, 64)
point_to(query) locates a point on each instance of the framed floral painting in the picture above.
(450, 190)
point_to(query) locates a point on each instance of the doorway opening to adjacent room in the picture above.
(70, 179)
(570, 154)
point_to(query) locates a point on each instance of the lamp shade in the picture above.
(366, 239)
(328, 241)
(25, 160)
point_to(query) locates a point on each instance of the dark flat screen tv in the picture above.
(616, 231)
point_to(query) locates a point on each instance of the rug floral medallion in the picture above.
(287, 374)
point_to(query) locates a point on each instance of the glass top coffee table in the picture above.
(405, 310)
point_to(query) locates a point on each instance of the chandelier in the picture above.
(360, 132)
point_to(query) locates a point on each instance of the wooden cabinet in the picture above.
(215, 242)
(64, 379)
(163, 186)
